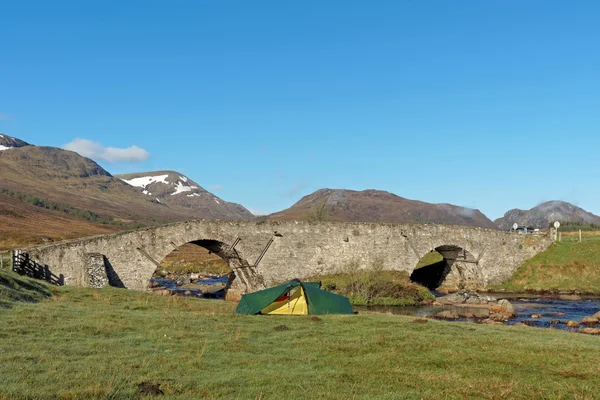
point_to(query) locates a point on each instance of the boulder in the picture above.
(480, 312)
(554, 314)
(573, 324)
(536, 316)
(489, 321)
(503, 307)
(590, 331)
(570, 297)
(465, 297)
(454, 298)
(447, 314)
(597, 315)
(589, 321)
(499, 317)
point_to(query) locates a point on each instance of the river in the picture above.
(548, 311)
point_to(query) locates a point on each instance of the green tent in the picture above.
(294, 298)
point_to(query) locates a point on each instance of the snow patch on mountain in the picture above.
(144, 181)
(182, 188)
(4, 147)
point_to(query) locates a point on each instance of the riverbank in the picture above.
(376, 287)
(115, 343)
(567, 267)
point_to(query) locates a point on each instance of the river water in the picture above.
(205, 287)
(547, 310)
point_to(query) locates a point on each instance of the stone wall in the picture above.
(296, 250)
(95, 270)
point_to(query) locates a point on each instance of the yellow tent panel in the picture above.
(293, 302)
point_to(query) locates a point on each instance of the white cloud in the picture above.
(96, 151)
(216, 187)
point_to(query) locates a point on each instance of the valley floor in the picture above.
(120, 344)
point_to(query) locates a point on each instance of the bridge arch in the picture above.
(447, 269)
(243, 276)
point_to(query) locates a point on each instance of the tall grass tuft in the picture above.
(373, 285)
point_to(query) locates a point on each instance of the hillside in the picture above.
(175, 190)
(66, 177)
(22, 223)
(378, 206)
(546, 213)
(55, 193)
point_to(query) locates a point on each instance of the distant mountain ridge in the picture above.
(542, 215)
(379, 206)
(172, 188)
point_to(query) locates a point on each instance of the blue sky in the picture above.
(485, 104)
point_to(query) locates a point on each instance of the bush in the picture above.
(374, 286)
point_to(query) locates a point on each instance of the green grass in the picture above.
(429, 258)
(565, 266)
(86, 343)
(15, 288)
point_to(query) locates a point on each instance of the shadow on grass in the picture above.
(15, 288)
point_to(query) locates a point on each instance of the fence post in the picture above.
(559, 236)
(580, 235)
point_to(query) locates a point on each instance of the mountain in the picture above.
(9, 142)
(178, 191)
(51, 185)
(379, 206)
(541, 216)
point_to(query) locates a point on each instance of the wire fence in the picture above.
(579, 236)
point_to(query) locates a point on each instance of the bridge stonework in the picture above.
(294, 249)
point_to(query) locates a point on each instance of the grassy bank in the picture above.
(17, 289)
(375, 287)
(111, 343)
(566, 266)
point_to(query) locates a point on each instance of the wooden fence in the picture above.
(4, 259)
(23, 265)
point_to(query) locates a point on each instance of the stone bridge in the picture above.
(263, 252)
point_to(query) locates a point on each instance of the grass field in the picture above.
(114, 344)
(566, 266)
